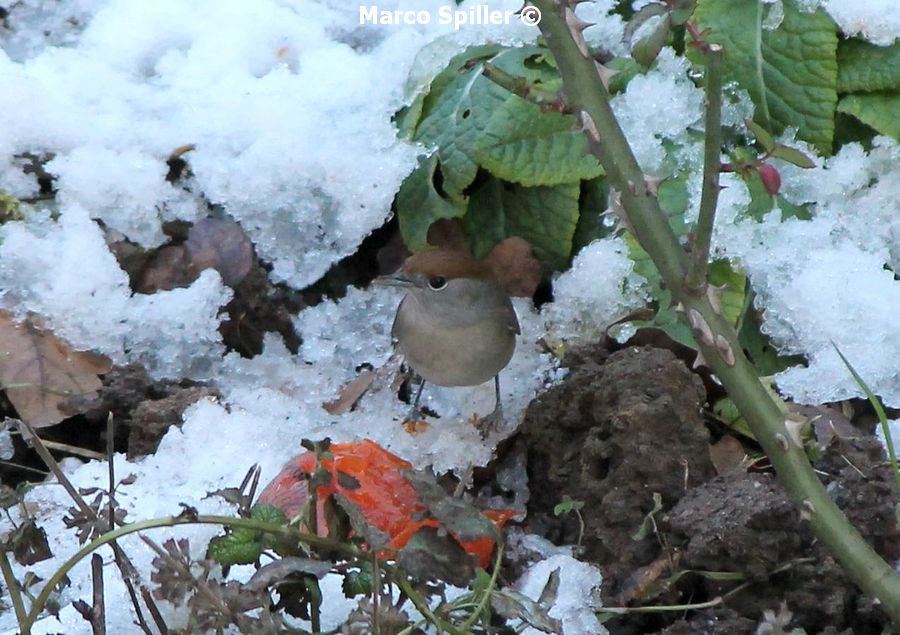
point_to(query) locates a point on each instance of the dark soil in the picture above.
(627, 424)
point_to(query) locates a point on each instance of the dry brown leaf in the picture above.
(727, 455)
(515, 267)
(350, 394)
(40, 373)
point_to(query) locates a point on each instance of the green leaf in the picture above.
(762, 135)
(419, 204)
(792, 155)
(463, 108)
(268, 513)
(627, 69)
(732, 283)
(878, 110)
(648, 525)
(407, 118)
(654, 36)
(525, 145)
(759, 349)
(544, 216)
(567, 505)
(864, 67)
(790, 72)
(239, 547)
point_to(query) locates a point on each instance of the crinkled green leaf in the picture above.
(526, 145)
(864, 67)
(881, 111)
(268, 513)
(652, 36)
(419, 204)
(469, 118)
(790, 72)
(544, 216)
(239, 547)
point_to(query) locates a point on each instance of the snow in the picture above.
(662, 105)
(875, 20)
(840, 290)
(589, 297)
(579, 593)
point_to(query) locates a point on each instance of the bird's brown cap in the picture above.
(447, 263)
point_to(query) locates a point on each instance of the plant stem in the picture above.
(486, 596)
(281, 531)
(712, 145)
(421, 605)
(588, 98)
(14, 593)
(879, 411)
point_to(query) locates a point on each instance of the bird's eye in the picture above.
(436, 283)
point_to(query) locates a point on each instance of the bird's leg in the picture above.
(416, 413)
(492, 422)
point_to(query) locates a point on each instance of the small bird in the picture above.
(456, 325)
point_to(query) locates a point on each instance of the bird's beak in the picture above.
(393, 280)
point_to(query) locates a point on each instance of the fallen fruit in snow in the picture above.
(373, 480)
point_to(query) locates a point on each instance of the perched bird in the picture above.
(456, 325)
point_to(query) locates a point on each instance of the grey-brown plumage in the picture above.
(456, 325)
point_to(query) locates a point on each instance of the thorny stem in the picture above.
(696, 277)
(280, 531)
(716, 337)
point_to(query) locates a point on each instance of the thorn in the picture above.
(699, 361)
(714, 295)
(652, 183)
(572, 21)
(783, 442)
(605, 74)
(575, 23)
(699, 324)
(725, 350)
(589, 126)
(794, 428)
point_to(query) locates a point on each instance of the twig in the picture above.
(95, 614)
(716, 338)
(122, 560)
(522, 87)
(709, 198)
(281, 531)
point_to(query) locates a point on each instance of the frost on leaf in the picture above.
(41, 374)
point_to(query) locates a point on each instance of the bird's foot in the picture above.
(415, 422)
(490, 423)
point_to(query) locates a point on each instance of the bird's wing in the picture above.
(512, 321)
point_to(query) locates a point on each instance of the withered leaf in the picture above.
(271, 574)
(431, 554)
(727, 454)
(515, 266)
(41, 373)
(513, 605)
(350, 394)
(463, 520)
